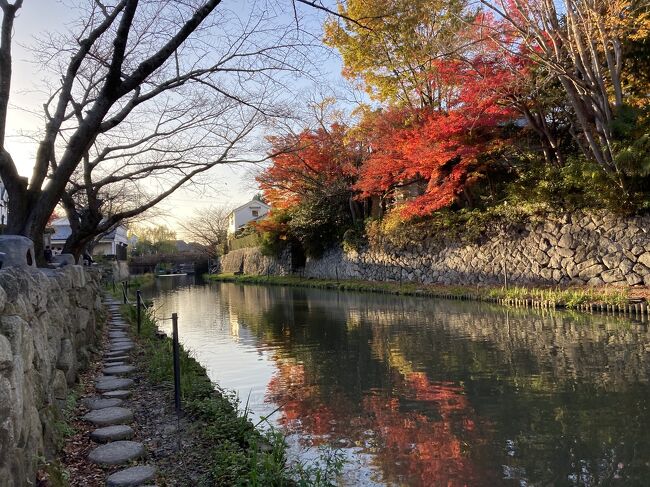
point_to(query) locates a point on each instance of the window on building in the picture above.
(255, 213)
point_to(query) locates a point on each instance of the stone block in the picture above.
(64, 260)
(6, 357)
(611, 275)
(595, 281)
(612, 260)
(59, 385)
(644, 259)
(16, 251)
(637, 250)
(566, 241)
(633, 279)
(565, 252)
(590, 272)
(131, 476)
(66, 360)
(625, 266)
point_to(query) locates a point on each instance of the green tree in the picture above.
(157, 239)
(393, 46)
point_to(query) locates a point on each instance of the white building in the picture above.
(4, 200)
(114, 242)
(249, 212)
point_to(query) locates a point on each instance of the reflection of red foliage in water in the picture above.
(418, 434)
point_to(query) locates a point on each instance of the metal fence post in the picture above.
(138, 295)
(177, 365)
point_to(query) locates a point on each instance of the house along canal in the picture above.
(427, 392)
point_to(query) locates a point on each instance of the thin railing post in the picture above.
(177, 365)
(138, 295)
(124, 293)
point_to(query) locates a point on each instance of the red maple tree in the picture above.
(444, 146)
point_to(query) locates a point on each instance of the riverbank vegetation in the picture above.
(475, 113)
(547, 297)
(234, 450)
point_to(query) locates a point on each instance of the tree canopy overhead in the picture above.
(395, 46)
(153, 90)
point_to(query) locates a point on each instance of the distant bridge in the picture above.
(185, 261)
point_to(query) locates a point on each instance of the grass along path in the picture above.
(606, 299)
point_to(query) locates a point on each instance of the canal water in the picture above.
(426, 392)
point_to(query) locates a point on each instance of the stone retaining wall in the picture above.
(48, 326)
(579, 248)
(251, 260)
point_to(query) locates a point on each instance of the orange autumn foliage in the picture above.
(442, 146)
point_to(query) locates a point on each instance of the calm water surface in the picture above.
(425, 392)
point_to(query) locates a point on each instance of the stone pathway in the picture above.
(111, 414)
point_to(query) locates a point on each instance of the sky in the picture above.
(231, 186)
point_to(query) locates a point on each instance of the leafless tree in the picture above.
(148, 90)
(208, 227)
(579, 42)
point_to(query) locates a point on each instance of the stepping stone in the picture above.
(112, 384)
(118, 369)
(121, 347)
(132, 476)
(112, 363)
(118, 334)
(112, 433)
(118, 359)
(109, 416)
(116, 452)
(120, 341)
(116, 353)
(101, 403)
(119, 393)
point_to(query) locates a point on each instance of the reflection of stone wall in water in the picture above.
(560, 347)
(251, 261)
(48, 321)
(577, 248)
(603, 351)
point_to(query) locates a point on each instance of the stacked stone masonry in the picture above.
(48, 327)
(251, 261)
(579, 248)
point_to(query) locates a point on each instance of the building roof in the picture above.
(248, 204)
(62, 231)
